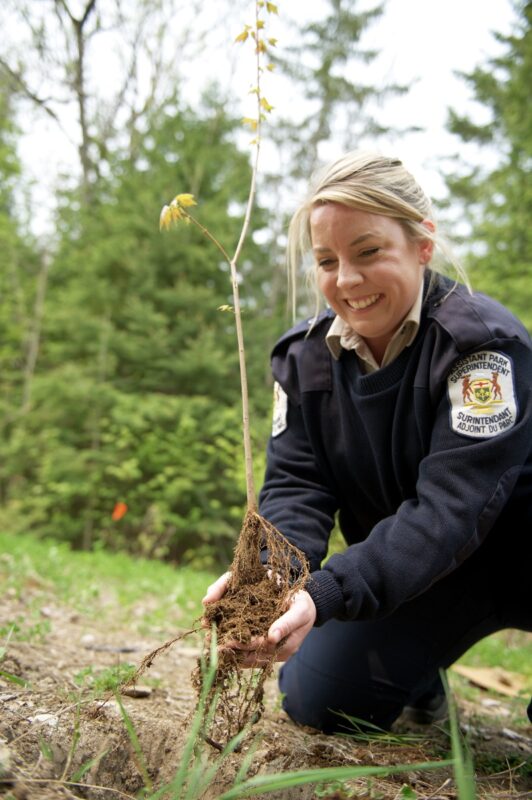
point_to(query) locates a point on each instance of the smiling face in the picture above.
(368, 270)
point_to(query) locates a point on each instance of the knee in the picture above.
(331, 706)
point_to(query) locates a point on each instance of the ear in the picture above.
(426, 246)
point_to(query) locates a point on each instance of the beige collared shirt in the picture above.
(342, 336)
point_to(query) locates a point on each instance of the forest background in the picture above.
(118, 372)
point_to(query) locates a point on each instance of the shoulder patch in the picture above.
(280, 409)
(482, 395)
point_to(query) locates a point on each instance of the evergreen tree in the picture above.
(20, 268)
(497, 202)
(136, 398)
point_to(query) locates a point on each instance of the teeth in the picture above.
(364, 303)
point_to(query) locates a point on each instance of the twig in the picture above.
(178, 210)
(248, 454)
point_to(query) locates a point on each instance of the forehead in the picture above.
(336, 218)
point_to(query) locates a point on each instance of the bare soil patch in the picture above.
(49, 731)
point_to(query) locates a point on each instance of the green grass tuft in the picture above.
(92, 582)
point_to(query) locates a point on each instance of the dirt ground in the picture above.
(49, 734)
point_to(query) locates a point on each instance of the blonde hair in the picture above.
(368, 182)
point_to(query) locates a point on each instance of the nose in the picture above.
(348, 275)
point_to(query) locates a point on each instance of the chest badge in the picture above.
(482, 395)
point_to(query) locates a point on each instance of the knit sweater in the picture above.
(422, 459)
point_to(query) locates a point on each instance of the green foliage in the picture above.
(100, 582)
(19, 267)
(8, 676)
(23, 629)
(336, 789)
(261, 784)
(135, 398)
(104, 680)
(175, 461)
(510, 649)
(497, 202)
(134, 739)
(464, 770)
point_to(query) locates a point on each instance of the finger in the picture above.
(256, 643)
(289, 647)
(217, 589)
(256, 658)
(301, 614)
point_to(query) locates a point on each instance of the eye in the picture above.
(371, 252)
(326, 263)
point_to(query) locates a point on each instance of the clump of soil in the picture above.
(255, 598)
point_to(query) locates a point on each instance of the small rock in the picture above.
(509, 734)
(21, 791)
(5, 760)
(112, 648)
(136, 691)
(87, 639)
(45, 719)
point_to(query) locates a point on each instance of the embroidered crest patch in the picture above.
(482, 395)
(280, 409)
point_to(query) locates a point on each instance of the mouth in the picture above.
(363, 302)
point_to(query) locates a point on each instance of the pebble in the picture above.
(136, 691)
(46, 719)
(509, 734)
(5, 759)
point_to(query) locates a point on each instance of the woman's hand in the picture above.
(217, 589)
(292, 627)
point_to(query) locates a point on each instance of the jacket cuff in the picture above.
(327, 596)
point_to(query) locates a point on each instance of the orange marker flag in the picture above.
(119, 511)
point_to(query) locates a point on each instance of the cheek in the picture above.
(325, 282)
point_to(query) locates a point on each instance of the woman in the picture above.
(406, 408)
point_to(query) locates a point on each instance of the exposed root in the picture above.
(256, 597)
(145, 664)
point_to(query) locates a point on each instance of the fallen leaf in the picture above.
(497, 679)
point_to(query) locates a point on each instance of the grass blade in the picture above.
(184, 770)
(464, 770)
(79, 773)
(261, 784)
(12, 678)
(134, 739)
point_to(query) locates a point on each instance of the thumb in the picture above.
(282, 627)
(275, 634)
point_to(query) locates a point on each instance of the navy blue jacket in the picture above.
(422, 459)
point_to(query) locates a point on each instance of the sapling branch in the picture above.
(252, 602)
(177, 210)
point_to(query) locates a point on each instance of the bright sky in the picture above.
(429, 40)
(422, 42)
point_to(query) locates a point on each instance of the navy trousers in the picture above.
(371, 670)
